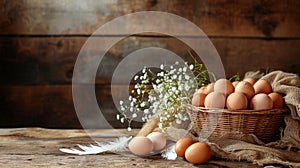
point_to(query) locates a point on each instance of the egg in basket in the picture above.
(240, 107)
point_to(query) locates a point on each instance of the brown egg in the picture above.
(250, 80)
(223, 86)
(236, 101)
(198, 153)
(261, 101)
(215, 100)
(245, 88)
(277, 100)
(140, 146)
(198, 99)
(201, 90)
(181, 146)
(235, 83)
(209, 88)
(158, 139)
(262, 86)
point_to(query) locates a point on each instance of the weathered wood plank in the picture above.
(52, 106)
(107, 161)
(217, 18)
(46, 133)
(51, 60)
(25, 148)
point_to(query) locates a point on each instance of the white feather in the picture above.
(117, 145)
(169, 153)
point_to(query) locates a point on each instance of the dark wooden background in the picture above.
(40, 41)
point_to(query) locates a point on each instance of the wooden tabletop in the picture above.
(39, 147)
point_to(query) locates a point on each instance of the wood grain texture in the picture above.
(36, 147)
(51, 60)
(217, 18)
(52, 106)
(40, 42)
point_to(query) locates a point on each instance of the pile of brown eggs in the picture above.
(194, 152)
(238, 95)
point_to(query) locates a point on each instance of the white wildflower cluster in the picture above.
(160, 93)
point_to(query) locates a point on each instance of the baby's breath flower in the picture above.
(171, 87)
(179, 77)
(178, 121)
(160, 125)
(145, 76)
(143, 104)
(138, 91)
(134, 100)
(180, 88)
(186, 87)
(172, 71)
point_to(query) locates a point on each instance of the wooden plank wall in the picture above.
(40, 41)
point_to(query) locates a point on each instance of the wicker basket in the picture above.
(262, 123)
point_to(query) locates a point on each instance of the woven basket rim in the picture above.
(217, 110)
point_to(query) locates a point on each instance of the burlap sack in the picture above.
(285, 151)
(287, 84)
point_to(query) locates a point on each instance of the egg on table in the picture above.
(181, 146)
(140, 146)
(158, 140)
(198, 153)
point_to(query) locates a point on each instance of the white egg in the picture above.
(140, 146)
(158, 139)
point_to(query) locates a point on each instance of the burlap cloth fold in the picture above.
(285, 151)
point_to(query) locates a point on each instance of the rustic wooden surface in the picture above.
(37, 147)
(217, 18)
(40, 41)
(52, 105)
(51, 60)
